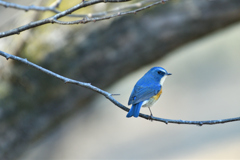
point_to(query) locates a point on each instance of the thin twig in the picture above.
(110, 96)
(31, 7)
(87, 19)
(51, 8)
(54, 19)
(56, 4)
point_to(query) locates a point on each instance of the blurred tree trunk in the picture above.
(100, 54)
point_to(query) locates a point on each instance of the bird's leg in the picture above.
(151, 115)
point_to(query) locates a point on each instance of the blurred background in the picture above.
(196, 41)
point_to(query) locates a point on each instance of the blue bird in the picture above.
(147, 90)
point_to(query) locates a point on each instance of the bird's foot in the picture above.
(151, 117)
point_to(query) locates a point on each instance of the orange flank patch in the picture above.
(157, 95)
(152, 100)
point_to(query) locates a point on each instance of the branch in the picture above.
(87, 19)
(52, 8)
(54, 19)
(56, 4)
(32, 7)
(109, 96)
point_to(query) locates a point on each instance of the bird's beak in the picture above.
(168, 74)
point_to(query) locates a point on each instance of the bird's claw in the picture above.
(151, 117)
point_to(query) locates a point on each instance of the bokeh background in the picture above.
(196, 41)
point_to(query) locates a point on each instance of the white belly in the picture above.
(148, 103)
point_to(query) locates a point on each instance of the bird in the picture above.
(147, 91)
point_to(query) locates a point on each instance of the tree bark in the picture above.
(36, 102)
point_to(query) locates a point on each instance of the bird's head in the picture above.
(159, 74)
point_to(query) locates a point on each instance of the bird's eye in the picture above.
(161, 73)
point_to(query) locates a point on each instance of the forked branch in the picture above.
(86, 18)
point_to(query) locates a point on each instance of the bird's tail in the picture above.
(135, 109)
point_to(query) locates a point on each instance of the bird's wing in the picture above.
(143, 92)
